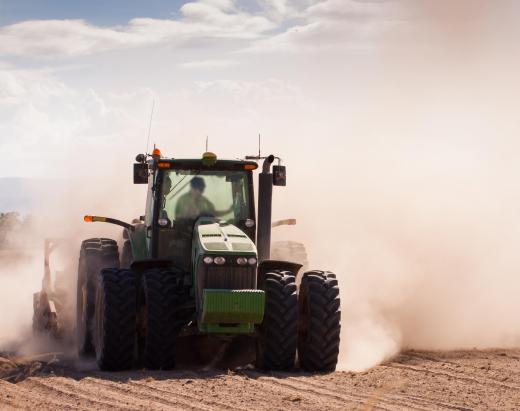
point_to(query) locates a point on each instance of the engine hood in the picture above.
(218, 237)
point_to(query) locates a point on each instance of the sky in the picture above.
(397, 120)
(76, 78)
(81, 77)
(100, 12)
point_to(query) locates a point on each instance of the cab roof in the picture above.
(200, 164)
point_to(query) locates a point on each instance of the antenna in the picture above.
(259, 156)
(207, 138)
(150, 127)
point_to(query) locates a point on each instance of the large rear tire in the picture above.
(278, 335)
(164, 316)
(319, 321)
(115, 319)
(95, 254)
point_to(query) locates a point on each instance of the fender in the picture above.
(270, 265)
(142, 265)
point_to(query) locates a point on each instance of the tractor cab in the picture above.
(184, 194)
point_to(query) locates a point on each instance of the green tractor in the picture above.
(198, 263)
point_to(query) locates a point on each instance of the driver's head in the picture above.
(197, 185)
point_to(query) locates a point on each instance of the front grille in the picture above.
(225, 277)
(236, 278)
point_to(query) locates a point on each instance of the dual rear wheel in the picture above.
(110, 308)
(306, 324)
(119, 345)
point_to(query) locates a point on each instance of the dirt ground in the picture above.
(460, 380)
(423, 380)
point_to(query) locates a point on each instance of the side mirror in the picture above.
(140, 173)
(279, 176)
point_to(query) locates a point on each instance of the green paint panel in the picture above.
(225, 307)
(247, 328)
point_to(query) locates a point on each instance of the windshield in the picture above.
(190, 194)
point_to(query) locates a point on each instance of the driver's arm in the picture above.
(220, 213)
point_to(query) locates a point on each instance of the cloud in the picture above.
(208, 64)
(199, 19)
(280, 25)
(348, 9)
(63, 37)
(249, 94)
(280, 9)
(43, 120)
(334, 24)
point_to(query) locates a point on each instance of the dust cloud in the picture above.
(58, 207)
(418, 208)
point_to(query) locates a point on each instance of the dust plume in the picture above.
(57, 209)
(418, 208)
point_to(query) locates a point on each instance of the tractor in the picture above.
(197, 263)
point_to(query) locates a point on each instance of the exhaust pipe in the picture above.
(265, 201)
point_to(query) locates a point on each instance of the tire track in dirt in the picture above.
(500, 365)
(379, 396)
(173, 390)
(120, 396)
(18, 397)
(310, 393)
(250, 392)
(149, 397)
(470, 380)
(383, 394)
(46, 387)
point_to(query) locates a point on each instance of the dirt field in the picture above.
(422, 380)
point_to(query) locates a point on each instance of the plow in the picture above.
(50, 301)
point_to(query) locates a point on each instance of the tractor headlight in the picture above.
(208, 260)
(241, 261)
(219, 260)
(252, 261)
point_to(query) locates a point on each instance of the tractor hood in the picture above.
(220, 237)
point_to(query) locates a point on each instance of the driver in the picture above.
(194, 204)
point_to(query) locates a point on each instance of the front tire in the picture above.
(319, 321)
(278, 335)
(164, 296)
(115, 320)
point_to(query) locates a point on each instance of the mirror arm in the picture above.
(92, 219)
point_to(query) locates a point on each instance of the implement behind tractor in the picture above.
(52, 305)
(197, 263)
